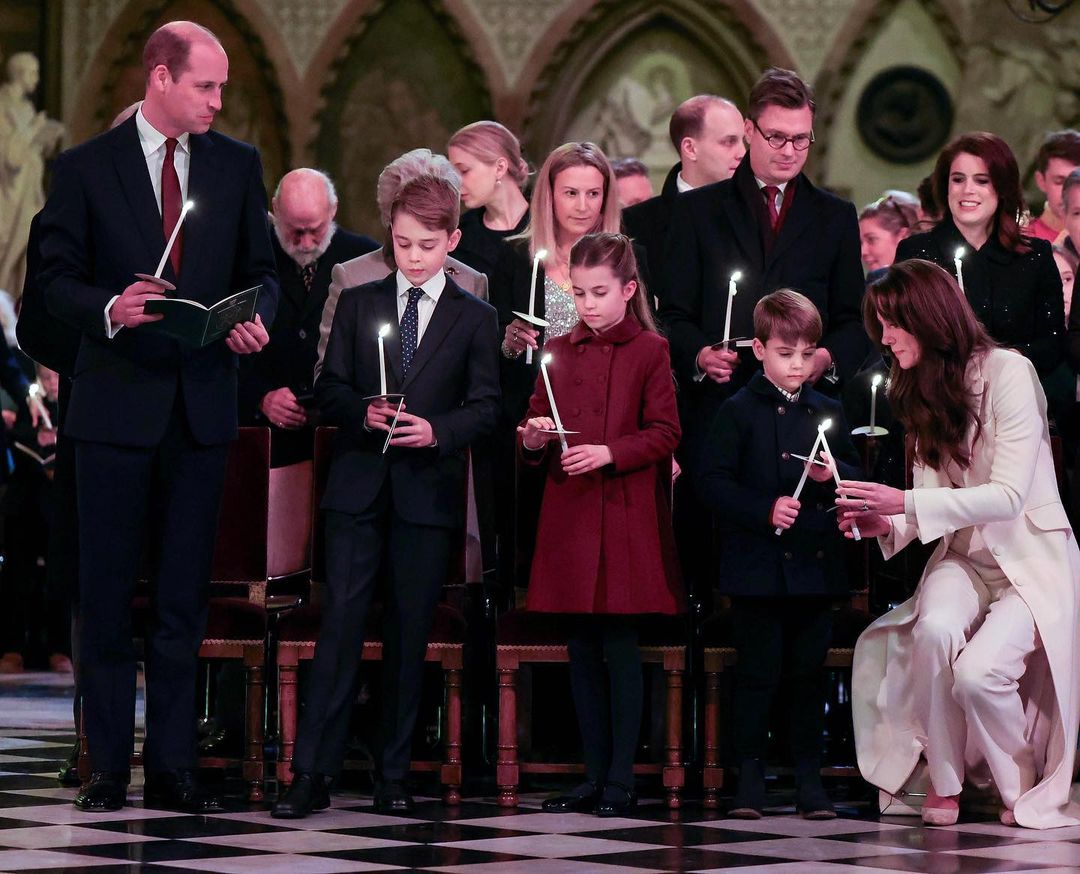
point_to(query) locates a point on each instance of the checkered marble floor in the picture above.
(41, 831)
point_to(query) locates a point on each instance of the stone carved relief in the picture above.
(85, 25)
(514, 27)
(305, 25)
(807, 28)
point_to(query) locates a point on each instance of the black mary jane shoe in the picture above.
(306, 794)
(104, 791)
(617, 799)
(580, 799)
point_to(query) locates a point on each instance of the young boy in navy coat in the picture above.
(401, 509)
(782, 587)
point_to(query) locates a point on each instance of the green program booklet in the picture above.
(195, 324)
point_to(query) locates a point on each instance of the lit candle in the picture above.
(383, 331)
(551, 400)
(732, 290)
(806, 469)
(188, 206)
(874, 383)
(537, 258)
(855, 533)
(34, 394)
(959, 264)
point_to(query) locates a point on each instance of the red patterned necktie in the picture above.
(170, 204)
(771, 192)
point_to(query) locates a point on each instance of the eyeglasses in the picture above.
(801, 142)
(889, 201)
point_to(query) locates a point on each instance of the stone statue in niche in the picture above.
(27, 138)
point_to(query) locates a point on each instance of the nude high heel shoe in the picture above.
(940, 809)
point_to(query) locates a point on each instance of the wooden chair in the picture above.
(298, 633)
(264, 535)
(529, 638)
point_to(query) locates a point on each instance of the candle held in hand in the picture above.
(383, 331)
(537, 258)
(806, 470)
(855, 533)
(544, 361)
(958, 263)
(188, 206)
(732, 290)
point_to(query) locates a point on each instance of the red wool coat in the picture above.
(604, 542)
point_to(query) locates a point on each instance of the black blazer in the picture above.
(42, 336)
(453, 382)
(480, 247)
(747, 466)
(289, 358)
(509, 290)
(1017, 297)
(720, 228)
(647, 224)
(100, 226)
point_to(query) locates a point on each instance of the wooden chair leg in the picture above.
(507, 774)
(287, 668)
(712, 776)
(674, 769)
(451, 769)
(254, 760)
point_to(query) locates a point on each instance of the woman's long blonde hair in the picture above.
(541, 230)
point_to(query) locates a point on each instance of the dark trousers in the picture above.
(168, 495)
(416, 558)
(605, 676)
(780, 637)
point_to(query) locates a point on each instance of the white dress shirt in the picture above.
(433, 289)
(681, 185)
(780, 197)
(153, 148)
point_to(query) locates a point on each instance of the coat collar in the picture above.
(948, 238)
(759, 384)
(618, 334)
(671, 188)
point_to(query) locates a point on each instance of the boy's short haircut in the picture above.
(788, 315)
(1071, 184)
(431, 200)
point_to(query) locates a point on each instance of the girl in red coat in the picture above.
(604, 548)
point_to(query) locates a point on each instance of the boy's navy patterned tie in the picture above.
(410, 326)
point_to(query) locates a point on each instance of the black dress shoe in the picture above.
(617, 799)
(105, 791)
(179, 790)
(391, 797)
(749, 801)
(69, 771)
(580, 799)
(308, 793)
(811, 800)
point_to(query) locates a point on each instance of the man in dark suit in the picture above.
(707, 132)
(152, 418)
(401, 509)
(276, 386)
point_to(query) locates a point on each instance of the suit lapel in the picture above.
(386, 313)
(204, 189)
(447, 311)
(139, 192)
(799, 217)
(742, 216)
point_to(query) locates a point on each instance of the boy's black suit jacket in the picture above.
(453, 382)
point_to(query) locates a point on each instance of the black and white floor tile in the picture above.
(41, 831)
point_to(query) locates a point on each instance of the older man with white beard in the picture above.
(275, 386)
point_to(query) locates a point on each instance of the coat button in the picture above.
(996, 550)
(607, 350)
(580, 350)
(303, 334)
(787, 556)
(785, 455)
(780, 411)
(819, 554)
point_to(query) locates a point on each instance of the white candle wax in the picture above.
(383, 331)
(551, 400)
(959, 264)
(172, 239)
(732, 290)
(874, 383)
(855, 533)
(537, 258)
(806, 467)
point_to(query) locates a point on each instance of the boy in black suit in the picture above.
(781, 586)
(406, 505)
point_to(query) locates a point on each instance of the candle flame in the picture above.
(960, 250)
(736, 276)
(876, 381)
(541, 254)
(546, 359)
(189, 205)
(34, 390)
(384, 330)
(825, 426)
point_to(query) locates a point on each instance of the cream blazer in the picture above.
(1010, 494)
(371, 268)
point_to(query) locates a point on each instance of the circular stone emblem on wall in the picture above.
(904, 114)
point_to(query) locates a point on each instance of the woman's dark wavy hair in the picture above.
(931, 399)
(1004, 176)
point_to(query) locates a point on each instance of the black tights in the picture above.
(605, 675)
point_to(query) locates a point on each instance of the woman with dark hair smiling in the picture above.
(1010, 279)
(983, 658)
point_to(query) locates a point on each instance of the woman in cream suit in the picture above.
(978, 672)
